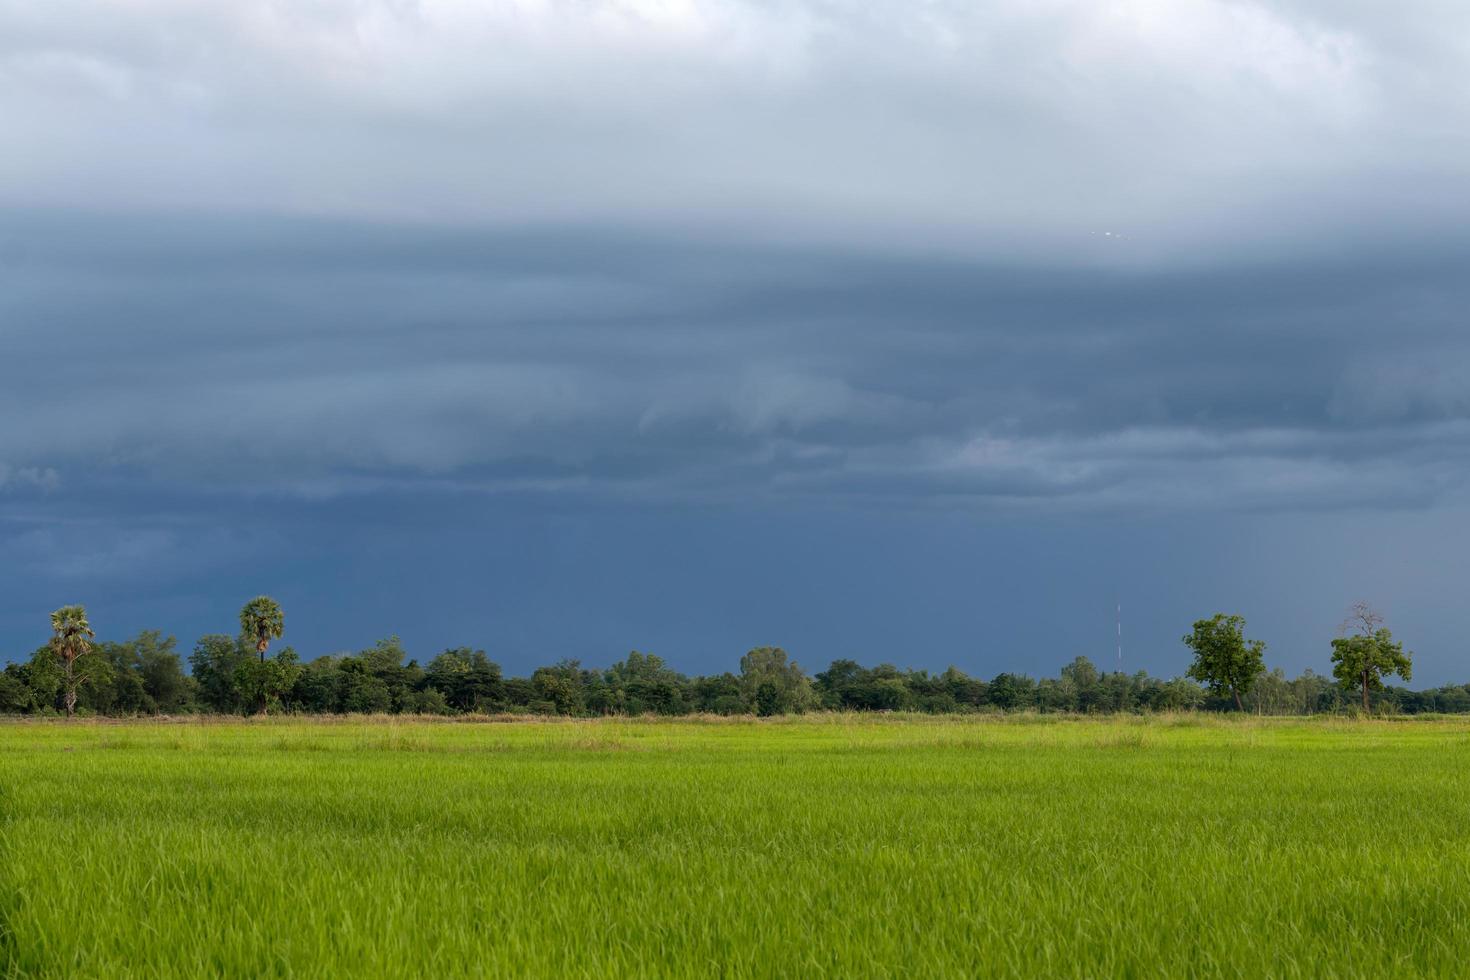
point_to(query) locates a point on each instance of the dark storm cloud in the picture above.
(323, 357)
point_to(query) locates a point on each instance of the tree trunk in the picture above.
(1365, 692)
(1238, 706)
(69, 686)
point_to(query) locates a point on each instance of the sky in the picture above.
(918, 332)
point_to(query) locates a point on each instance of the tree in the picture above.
(1085, 678)
(367, 693)
(378, 680)
(1010, 692)
(643, 684)
(156, 659)
(772, 685)
(1056, 694)
(559, 688)
(214, 663)
(718, 694)
(1180, 693)
(836, 685)
(1223, 659)
(122, 693)
(468, 679)
(265, 684)
(1367, 652)
(262, 621)
(1082, 672)
(71, 641)
(42, 675)
(16, 694)
(971, 692)
(319, 687)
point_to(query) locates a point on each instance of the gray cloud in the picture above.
(323, 358)
(1193, 128)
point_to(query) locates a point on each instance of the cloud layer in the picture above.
(275, 275)
(316, 357)
(1009, 127)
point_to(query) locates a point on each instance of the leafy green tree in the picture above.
(1313, 693)
(717, 694)
(643, 684)
(559, 688)
(427, 702)
(521, 693)
(265, 684)
(1224, 660)
(836, 686)
(156, 659)
(1086, 681)
(786, 686)
(377, 680)
(1368, 653)
(1272, 694)
(768, 699)
(1056, 694)
(215, 665)
(43, 677)
(1119, 692)
(1452, 699)
(122, 692)
(467, 679)
(71, 642)
(16, 696)
(1081, 672)
(1012, 691)
(261, 620)
(848, 686)
(967, 691)
(319, 687)
(926, 692)
(1180, 694)
(367, 694)
(146, 677)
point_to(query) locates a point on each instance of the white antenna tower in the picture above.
(1120, 637)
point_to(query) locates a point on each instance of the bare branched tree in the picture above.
(1362, 620)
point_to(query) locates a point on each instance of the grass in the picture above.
(851, 846)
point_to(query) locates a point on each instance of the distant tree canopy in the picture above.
(465, 680)
(772, 685)
(145, 676)
(230, 675)
(214, 664)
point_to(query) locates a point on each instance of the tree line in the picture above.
(235, 674)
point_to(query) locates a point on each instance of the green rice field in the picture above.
(819, 846)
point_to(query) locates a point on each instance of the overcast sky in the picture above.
(912, 331)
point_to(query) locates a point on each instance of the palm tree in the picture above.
(71, 637)
(262, 621)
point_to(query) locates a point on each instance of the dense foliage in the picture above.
(225, 675)
(1223, 660)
